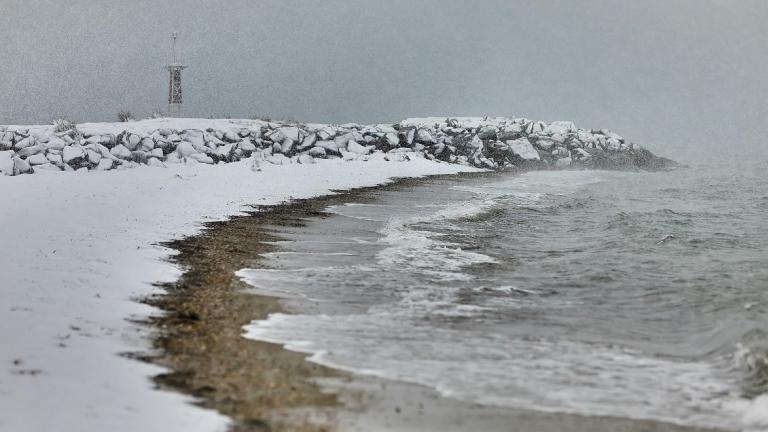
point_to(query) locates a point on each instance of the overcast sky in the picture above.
(677, 76)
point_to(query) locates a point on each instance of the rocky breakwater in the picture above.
(492, 143)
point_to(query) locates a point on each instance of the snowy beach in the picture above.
(90, 240)
(80, 251)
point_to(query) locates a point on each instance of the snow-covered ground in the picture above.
(79, 248)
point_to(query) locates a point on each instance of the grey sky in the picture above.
(673, 75)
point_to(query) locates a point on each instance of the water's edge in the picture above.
(261, 385)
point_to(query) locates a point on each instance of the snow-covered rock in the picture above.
(231, 137)
(278, 159)
(317, 152)
(287, 145)
(225, 151)
(20, 166)
(246, 146)
(523, 148)
(105, 164)
(24, 143)
(560, 128)
(31, 150)
(55, 143)
(488, 133)
(408, 135)
(54, 158)
(131, 141)
(489, 142)
(72, 153)
(201, 157)
(120, 152)
(147, 144)
(306, 159)
(93, 156)
(185, 149)
(47, 167)
(37, 159)
(139, 157)
(6, 162)
(354, 147)
(424, 136)
(291, 132)
(155, 162)
(329, 146)
(392, 139)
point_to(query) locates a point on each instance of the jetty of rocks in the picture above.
(484, 142)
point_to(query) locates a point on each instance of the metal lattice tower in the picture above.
(174, 67)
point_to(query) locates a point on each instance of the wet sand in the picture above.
(263, 387)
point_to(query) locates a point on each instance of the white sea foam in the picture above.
(495, 370)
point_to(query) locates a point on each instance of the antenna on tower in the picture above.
(174, 67)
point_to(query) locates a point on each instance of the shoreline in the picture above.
(199, 334)
(261, 386)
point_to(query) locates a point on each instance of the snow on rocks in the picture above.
(119, 151)
(354, 147)
(37, 159)
(104, 165)
(486, 142)
(6, 162)
(523, 148)
(72, 153)
(20, 166)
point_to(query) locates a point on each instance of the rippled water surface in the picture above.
(638, 295)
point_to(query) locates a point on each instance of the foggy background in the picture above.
(677, 76)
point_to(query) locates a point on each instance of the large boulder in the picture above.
(73, 153)
(488, 133)
(31, 150)
(121, 152)
(308, 142)
(131, 141)
(318, 152)
(305, 159)
(37, 159)
(155, 162)
(354, 147)
(407, 135)
(20, 166)
(202, 158)
(560, 128)
(94, 156)
(105, 164)
(6, 162)
(523, 149)
(392, 139)
(225, 151)
(54, 159)
(291, 132)
(287, 146)
(424, 136)
(139, 156)
(6, 140)
(55, 143)
(329, 146)
(185, 149)
(24, 143)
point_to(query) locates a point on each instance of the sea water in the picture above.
(639, 295)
